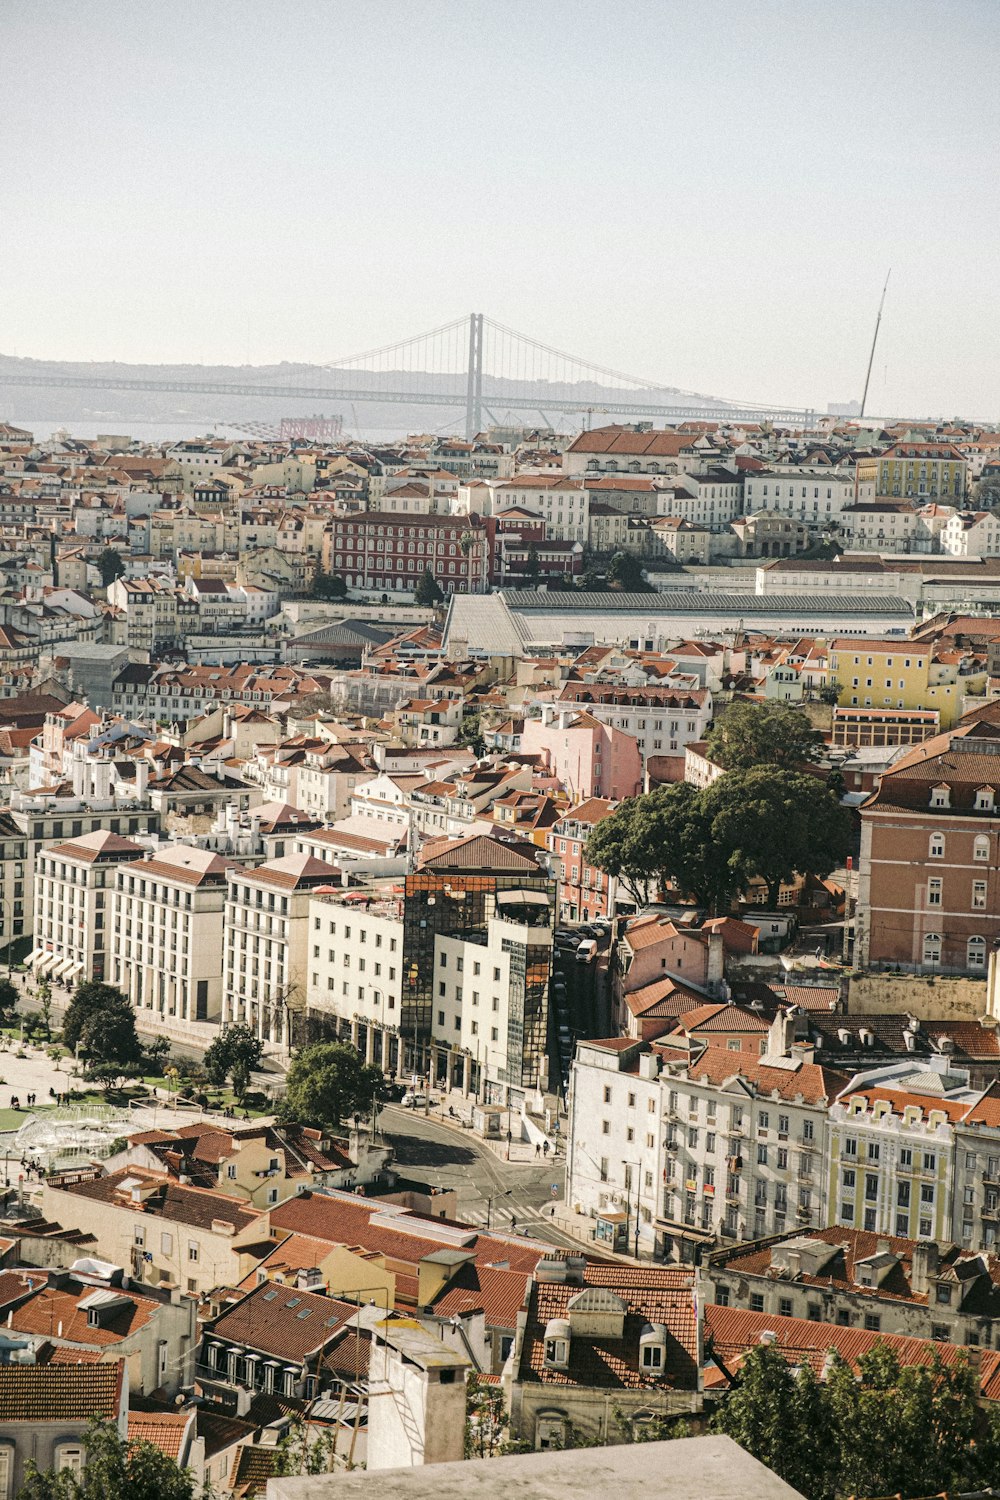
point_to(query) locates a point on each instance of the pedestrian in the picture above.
(538, 1149)
(545, 1148)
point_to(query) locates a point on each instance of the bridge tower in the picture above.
(474, 378)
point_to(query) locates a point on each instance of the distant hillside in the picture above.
(43, 403)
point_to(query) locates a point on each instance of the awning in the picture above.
(46, 962)
(74, 969)
(522, 898)
(61, 967)
(35, 953)
(686, 1231)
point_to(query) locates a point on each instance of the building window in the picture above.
(975, 953)
(934, 888)
(979, 895)
(936, 848)
(932, 948)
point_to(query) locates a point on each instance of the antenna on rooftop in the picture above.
(871, 356)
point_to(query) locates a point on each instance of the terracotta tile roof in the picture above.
(167, 1430)
(498, 1291)
(51, 1309)
(651, 1295)
(733, 1332)
(60, 1393)
(94, 846)
(283, 1322)
(811, 1082)
(252, 1468)
(185, 1205)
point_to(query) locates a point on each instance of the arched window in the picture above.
(932, 948)
(975, 953)
(936, 849)
(69, 1458)
(981, 848)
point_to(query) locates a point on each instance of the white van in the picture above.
(586, 951)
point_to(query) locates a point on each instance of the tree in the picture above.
(427, 591)
(44, 993)
(775, 824)
(328, 586)
(109, 1039)
(532, 566)
(8, 996)
(882, 1429)
(115, 1470)
(779, 1417)
(761, 734)
(327, 1083)
(625, 573)
(659, 837)
(111, 565)
(471, 732)
(234, 1055)
(89, 998)
(298, 1454)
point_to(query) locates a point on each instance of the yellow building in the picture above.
(929, 471)
(904, 674)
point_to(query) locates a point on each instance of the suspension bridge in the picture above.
(472, 364)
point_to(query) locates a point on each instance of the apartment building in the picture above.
(167, 911)
(590, 758)
(264, 976)
(928, 896)
(584, 891)
(685, 1151)
(389, 551)
(903, 674)
(817, 496)
(75, 933)
(561, 502)
(933, 471)
(662, 720)
(636, 450)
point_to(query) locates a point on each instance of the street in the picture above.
(487, 1186)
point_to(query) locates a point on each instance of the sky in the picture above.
(708, 194)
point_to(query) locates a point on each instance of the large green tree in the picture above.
(111, 1045)
(234, 1054)
(880, 1430)
(115, 1470)
(328, 586)
(625, 573)
(659, 837)
(327, 1083)
(775, 824)
(90, 998)
(746, 735)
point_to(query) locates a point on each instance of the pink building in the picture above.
(590, 759)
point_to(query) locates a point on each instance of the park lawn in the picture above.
(13, 1119)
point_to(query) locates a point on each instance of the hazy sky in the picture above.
(709, 193)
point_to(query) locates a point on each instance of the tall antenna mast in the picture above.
(871, 356)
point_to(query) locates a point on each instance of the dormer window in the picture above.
(941, 796)
(557, 1352)
(984, 799)
(652, 1357)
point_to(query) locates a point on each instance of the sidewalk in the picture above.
(520, 1152)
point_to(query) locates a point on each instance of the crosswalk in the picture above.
(476, 1215)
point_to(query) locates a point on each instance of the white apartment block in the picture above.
(75, 931)
(661, 720)
(711, 500)
(167, 912)
(817, 496)
(730, 1147)
(267, 942)
(973, 533)
(562, 502)
(355, 971)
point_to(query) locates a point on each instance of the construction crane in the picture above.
(871, 356)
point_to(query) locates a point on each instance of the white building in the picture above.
(168, 916)
(816, 495)
(266, 944)
(562, 502)
(724, 1147)
(663, 720)
(75, 931)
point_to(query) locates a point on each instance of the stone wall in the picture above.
(929, 997)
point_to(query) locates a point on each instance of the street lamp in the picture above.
(629, 1165)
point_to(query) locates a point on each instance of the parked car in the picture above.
(586, 951)
(411, 1100)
